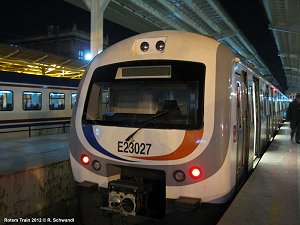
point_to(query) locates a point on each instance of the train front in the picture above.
(138, 131)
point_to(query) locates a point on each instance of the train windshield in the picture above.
(145, 103)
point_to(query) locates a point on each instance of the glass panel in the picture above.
(6, 101)
(32, 100)
(56, 101)
(73, 99)
(140, 103)
(239, 104)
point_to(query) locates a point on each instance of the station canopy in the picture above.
(21, 60)
(284, 17)
(206, 17)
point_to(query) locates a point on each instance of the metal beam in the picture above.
(183, 17)
(289, 68)
(11, 54)
(291, 56)
(39, 59)
(199, 12)
(293, 30)
(133, 20)
(158, 15)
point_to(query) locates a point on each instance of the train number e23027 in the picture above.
(134, 147)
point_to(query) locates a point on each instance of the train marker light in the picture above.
(179, 175)
(144, 46)
(195, 172)
(85, 159)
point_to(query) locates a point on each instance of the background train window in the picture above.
(56, 101)
(32, 100)
(6, 101)
(73, 100)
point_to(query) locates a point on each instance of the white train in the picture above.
(169, 115)
(32, 105)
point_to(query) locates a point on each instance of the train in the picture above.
(169, 116)
(32, 105)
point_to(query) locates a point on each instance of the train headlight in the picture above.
(144, 46)
(160, 45)
(195, 172)
(96, 165)
(179, 175)
(85, 159)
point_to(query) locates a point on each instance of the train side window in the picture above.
(239, 106)
(6, 101)
(267, 102)
(251, 105)
(73, 100)
(262, 103)
(32, 100)
(56, 101)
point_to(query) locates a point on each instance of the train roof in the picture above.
(12, 77)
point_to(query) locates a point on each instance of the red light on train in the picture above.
(85, 159)
(195, 172)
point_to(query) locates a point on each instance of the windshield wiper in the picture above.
(145, 122)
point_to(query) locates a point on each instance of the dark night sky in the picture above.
(29, 17)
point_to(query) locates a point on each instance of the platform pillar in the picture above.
(97, 8)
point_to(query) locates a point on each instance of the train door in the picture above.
(242, 125)
(257, 117)
(272, 112)
(263, 118)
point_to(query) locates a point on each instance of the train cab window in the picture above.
(6, 100)
(56, 101)
(73, 100)
(155, 105)
(32, 100)
(162, 103)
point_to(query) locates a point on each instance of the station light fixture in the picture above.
(88, 56)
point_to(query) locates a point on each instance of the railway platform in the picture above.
(36, 181)
(28, 153)
(271, 195)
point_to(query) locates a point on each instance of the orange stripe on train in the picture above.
(188, 145)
